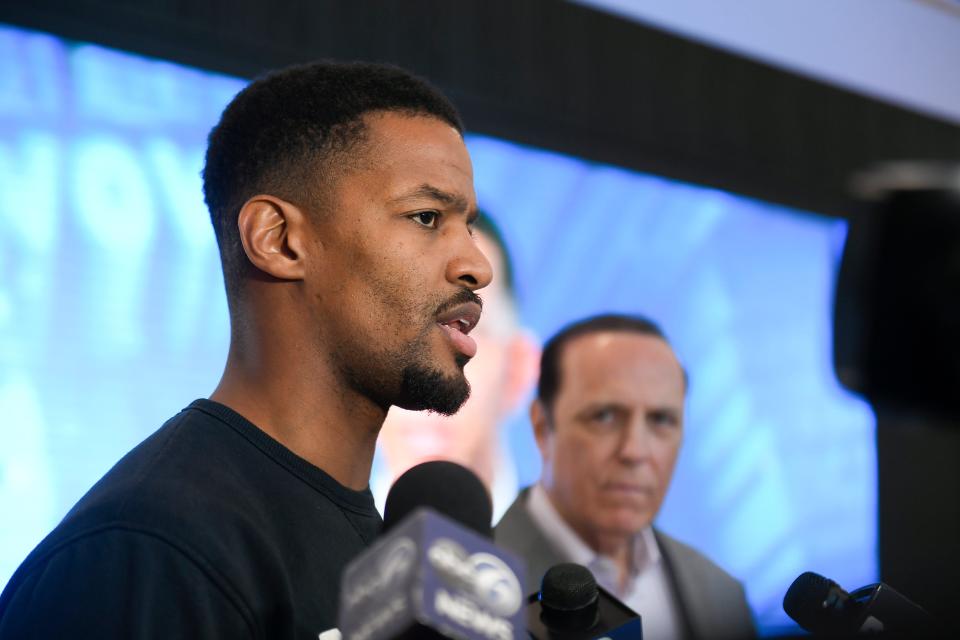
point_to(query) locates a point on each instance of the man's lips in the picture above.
(457, 322)
(627, 487)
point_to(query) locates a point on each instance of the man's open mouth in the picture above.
(457, 323)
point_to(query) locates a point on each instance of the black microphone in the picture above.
(572, 606)
(447, 488)
(822, 607)
(430, 574)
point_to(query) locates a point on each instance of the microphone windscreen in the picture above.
(569, 597)
(572, 606)
(814, 602)
(822, 607)
(568, 586)
(446, 487)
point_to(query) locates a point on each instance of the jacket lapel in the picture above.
(684, 587)
(517, 532)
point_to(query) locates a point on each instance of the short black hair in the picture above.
(279, 134)
(549, 384)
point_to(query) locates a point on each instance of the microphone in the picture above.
(434, 572)
(572, 606)
(447, 488)
(821, 606)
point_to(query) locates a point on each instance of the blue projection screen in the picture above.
(113, 315)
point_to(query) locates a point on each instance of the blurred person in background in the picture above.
(608, 421)
(500, 376)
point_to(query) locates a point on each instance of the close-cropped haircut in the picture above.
(280, 136)
(550, 375)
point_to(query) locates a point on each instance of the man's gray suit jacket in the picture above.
(711, 602)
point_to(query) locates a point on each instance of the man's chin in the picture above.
(423, 389)
(627, 522)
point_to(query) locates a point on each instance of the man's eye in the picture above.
(603, 419)
(427, 219)
(664, 419)
(603, 415)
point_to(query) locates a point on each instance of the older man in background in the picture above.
(608, 420)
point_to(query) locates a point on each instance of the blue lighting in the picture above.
(113, 316)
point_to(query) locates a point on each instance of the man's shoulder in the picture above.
(714, 600)
(519, 533)
(222, 514)
(681, 555)
(516, 529)
(183, 473)
(213, 488)
(174, 486)
(117, 579)
(147, 531)
(515, 516)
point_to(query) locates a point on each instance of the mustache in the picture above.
(460, 297)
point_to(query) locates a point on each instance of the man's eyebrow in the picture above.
(452, 200)
(669, 411)
(611, 405)
(666, 408)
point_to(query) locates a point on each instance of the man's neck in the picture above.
(623, 560)
(309, 412)
(619, 549)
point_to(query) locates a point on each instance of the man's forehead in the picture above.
(615, 344)
(615, 358)
(416, 158)
(386, 130)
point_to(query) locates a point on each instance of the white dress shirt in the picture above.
(647, 589)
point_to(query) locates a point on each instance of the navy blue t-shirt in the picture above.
(209, 528)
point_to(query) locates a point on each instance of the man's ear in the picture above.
(542, 430)
(272, 232)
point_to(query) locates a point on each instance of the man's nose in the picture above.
(635, 442)
(468, 267)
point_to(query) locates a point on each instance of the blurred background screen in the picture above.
(113, 315)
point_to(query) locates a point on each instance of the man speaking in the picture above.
(342, 200)
(608, 420)
(501, 375)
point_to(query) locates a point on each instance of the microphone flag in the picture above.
(431, 576)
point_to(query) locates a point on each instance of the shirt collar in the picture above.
(646, 553)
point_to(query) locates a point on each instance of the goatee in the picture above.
(423, 389)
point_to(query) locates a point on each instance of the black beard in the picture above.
(428, 389)
(420, 388)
